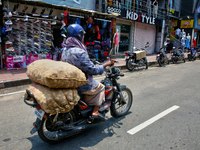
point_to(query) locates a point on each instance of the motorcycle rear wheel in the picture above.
(48, 130)
(118, 104)
(166, 59)
(129, 65)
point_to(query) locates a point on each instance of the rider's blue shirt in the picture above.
(79, 58)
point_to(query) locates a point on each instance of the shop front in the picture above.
(125, 29)
(187, 27)
(197, 28)
(37, 31)
(143, 31)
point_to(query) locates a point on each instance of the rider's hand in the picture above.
(108, 63)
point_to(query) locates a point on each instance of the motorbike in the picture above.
(161, 56)
(177, 54)
(192, 54)
(136, 58)
(55, 128)
(198, 53)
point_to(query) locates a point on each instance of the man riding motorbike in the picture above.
(76, 54)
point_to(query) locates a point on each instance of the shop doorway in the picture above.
(124, 37)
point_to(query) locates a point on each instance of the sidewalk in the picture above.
(10, 78)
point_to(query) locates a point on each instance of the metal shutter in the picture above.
(145, 33)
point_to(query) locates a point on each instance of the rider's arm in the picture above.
(88, 66)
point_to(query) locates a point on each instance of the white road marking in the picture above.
(152, 120)
(12, 93)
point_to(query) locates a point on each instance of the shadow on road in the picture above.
(87, 138)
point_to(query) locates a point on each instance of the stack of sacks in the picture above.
(54, 84)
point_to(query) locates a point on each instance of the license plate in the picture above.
(126, 57)
(39, 113)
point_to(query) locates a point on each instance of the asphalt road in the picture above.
(165, 115)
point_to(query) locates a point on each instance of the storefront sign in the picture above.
(187, 23)
(198, 22)
(112, 10)
(13, 62)
(18, 58)
(174, 23)
(138, 17)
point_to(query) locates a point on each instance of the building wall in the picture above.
(187, 8)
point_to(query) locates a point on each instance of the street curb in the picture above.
(13, 83)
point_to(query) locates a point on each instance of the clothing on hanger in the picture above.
(155, 9)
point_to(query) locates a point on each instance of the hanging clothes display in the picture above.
(148, 5)
(194, 42)
(187, 43)
(128, 4)
(155, 9)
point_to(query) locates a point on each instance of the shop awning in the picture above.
(80, 4)
(84, 6)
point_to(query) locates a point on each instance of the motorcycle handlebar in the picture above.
(121, 74)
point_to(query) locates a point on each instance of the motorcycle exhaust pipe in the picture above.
(134, 64)
(64, 134)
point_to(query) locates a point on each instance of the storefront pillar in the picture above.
(162, 33)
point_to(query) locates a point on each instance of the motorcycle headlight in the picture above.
(107, 69)
(115, 70)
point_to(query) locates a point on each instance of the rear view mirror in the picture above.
(134, 48)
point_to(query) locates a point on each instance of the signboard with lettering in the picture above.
(139, 17)
(112, 10)
(187, 23)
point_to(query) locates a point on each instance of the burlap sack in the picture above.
(54, 100)
(56, 74)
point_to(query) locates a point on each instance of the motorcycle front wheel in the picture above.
(161, 62)
(49, 128)
(146, 62)
(174, 60)
(118, 107)
(129, 64)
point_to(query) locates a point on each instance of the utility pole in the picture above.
(167, 19)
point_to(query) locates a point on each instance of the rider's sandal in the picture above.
(98, 118)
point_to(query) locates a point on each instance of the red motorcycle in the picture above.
(54, 128)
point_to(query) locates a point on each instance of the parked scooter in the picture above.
(177, 54)
(192, 54)
(161, 56)
(198, 53)
(136, 58)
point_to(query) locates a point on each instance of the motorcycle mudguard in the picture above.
(122, 87)
(37, 125)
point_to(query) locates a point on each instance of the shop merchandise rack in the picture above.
(29, 36)
(28, 39)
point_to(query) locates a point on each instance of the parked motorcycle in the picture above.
(198, 53)
(192, 54)
(54, 128)
(137, 58)
(161, 56)
(177, 54)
